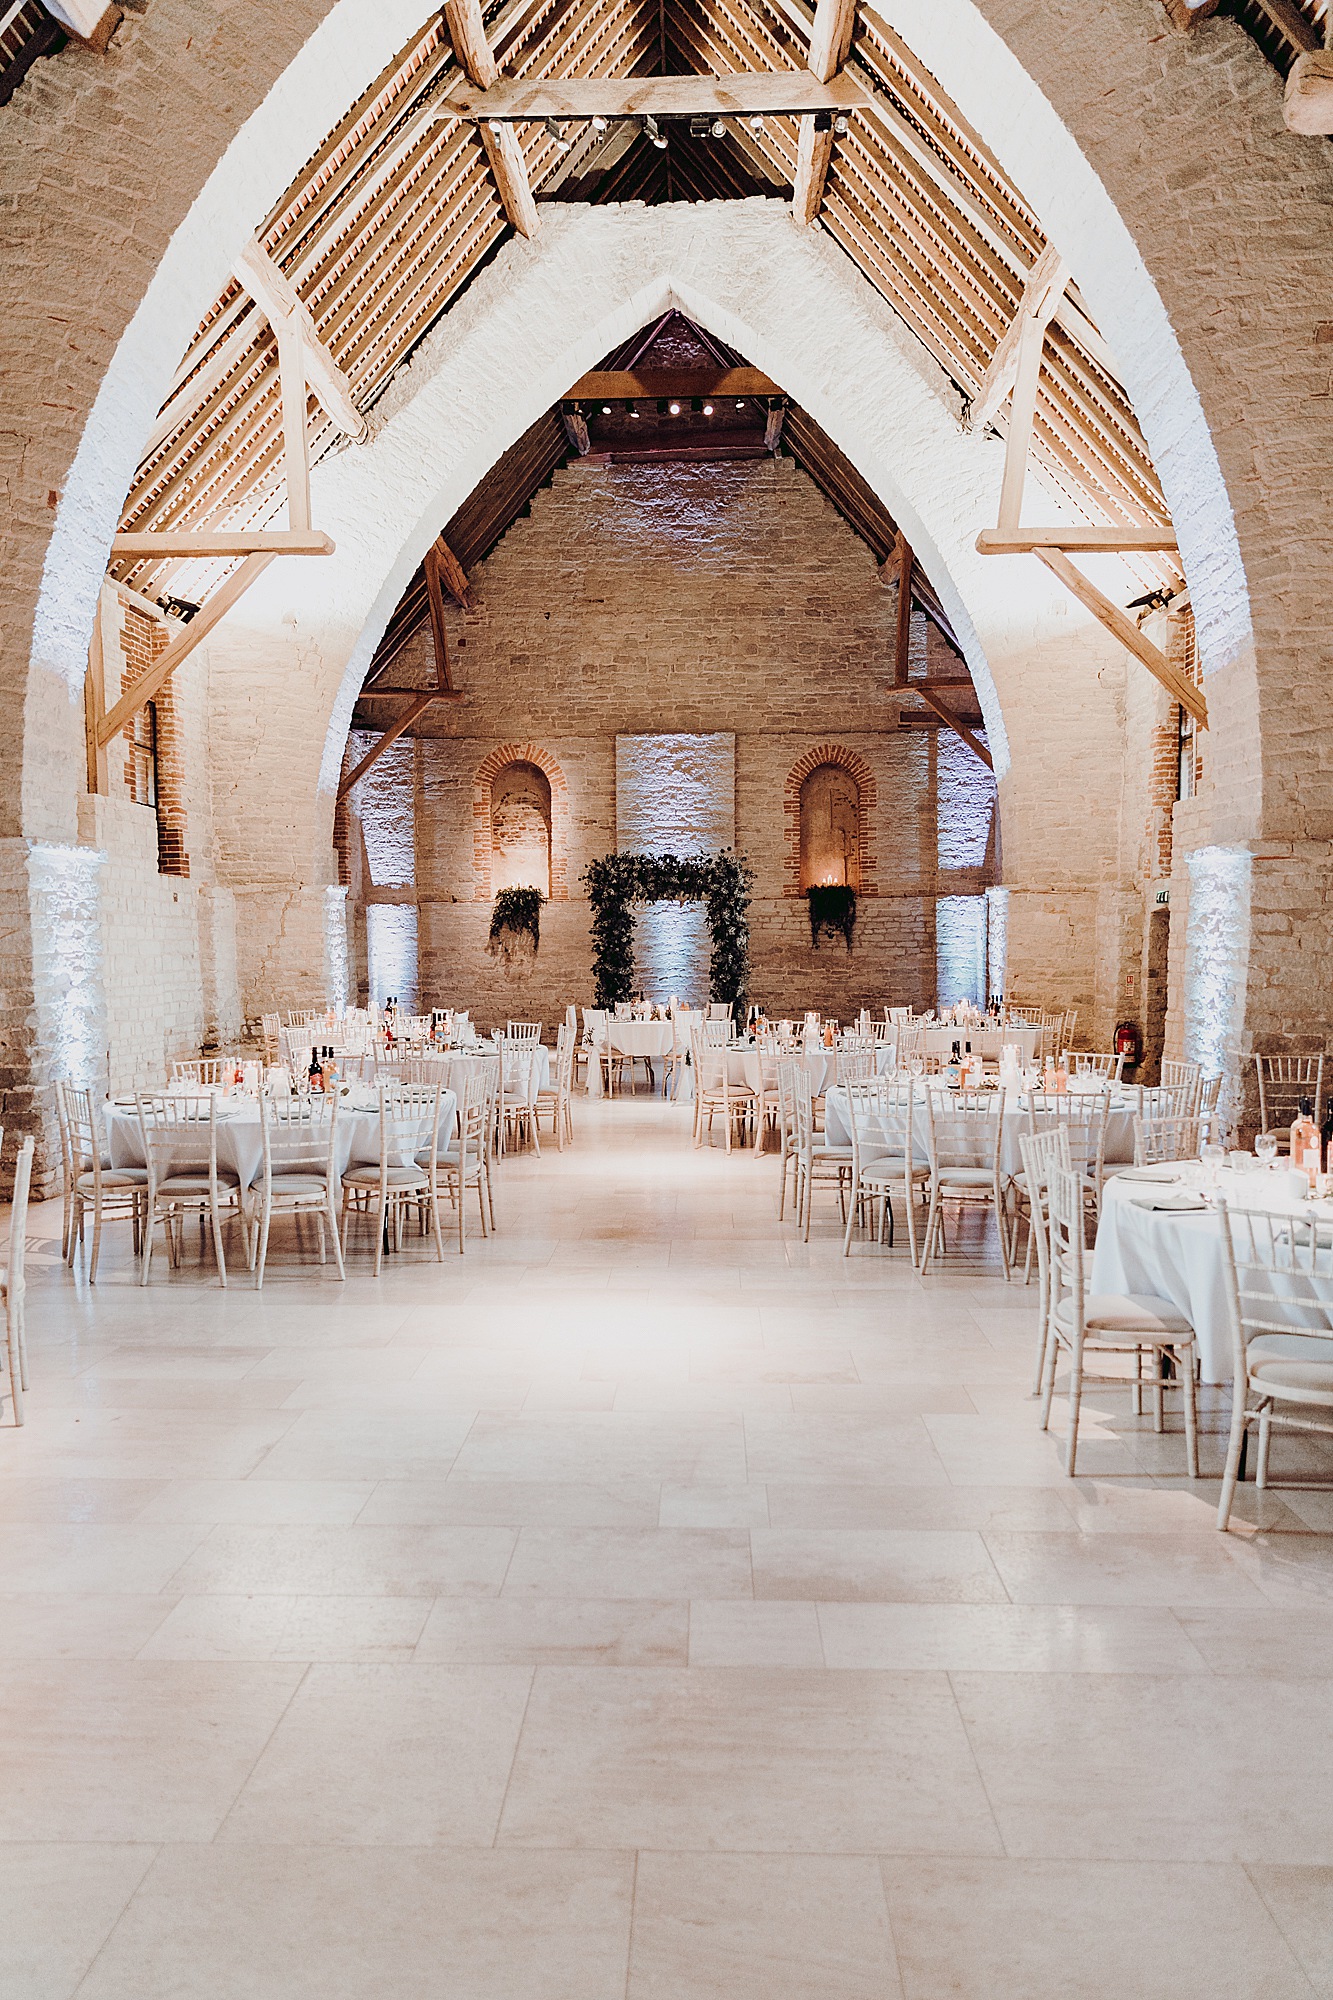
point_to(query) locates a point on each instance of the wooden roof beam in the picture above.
(164, 666)
(468, 30)
(289, 316)
(830, 40)
(959, 728)
(1127, 632)
(578, 99)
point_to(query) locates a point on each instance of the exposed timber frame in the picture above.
(443, 572)
(1014, 371)
(830, 40)
(502, 148)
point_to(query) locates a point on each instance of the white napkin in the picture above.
(1183, 1201)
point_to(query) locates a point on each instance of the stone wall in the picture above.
(636, 609)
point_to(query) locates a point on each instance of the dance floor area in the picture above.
(643, 1606)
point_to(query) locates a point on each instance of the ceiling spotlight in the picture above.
(633, 410)
(740, 405)
(840, 127)
(599, 123)
(654, 131)
(675, 409)
(554, 130)
(718, 129)
(757, 122)
(606, 409)
(708, 409)
(497, 128)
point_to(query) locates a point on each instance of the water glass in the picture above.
(1266, 1147)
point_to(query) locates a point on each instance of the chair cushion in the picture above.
(398, 1177)
(1275, 1363)
(891, 1167)
(114, 1177)
(1130, 1316)
(299, 1184)
(972, 1177)
(832, 1153)
(197, 1183)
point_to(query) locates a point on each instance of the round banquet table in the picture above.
(986, 1042)
(1119, 1128)
(637, 1041)
(1179, 1256)
(240, 1140)
(527, 1069)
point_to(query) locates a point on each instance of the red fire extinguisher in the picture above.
(1129, 1043)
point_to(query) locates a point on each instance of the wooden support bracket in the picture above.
(903, 626)
(468, 32)
(391, 735)
(288, 315)
(1127, 632)
(210, 612)
(960, 729)
(830, 40)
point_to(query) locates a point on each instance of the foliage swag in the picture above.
(832, 908)
(720, 881)
(516, 911)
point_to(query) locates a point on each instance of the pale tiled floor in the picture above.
(642, 1607)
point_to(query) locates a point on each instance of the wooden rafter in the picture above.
(903, 623)
(830, 39)
(291, 321)
(1042, 292)
(502, 147)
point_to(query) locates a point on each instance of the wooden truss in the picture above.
(304, 365)
(1014, 372)
(443, 573)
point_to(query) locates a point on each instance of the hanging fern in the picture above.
(832, 908)
(516, 911)
(721, 882)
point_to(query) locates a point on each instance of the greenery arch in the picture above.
(617, 882)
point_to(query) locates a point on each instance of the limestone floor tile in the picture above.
(271, 1501)
(769, 1761)
(365, 1445)
(1121, 1569)
(389, 1561)
(132, 1750)
(760, 1927)
(138, 1445)
(77, 1500)
(1008, 1638)
(979, 1451)
(398, 1755)
(1192, 1767)
(1295, 1571)
(701, 1506)
(289, 1628)
(842, 1450)
(807, 1505)
(1253, 1642)
(418, 1922)
(104, 1557)
(1152, 1506)
(616, 1503)
(882, 1565)
(58, 1904)
(1301, 1901)
(904, 1399)
(741, 1633)
(630, 1562)
(76, 1625)
(554, 1631)
(1013, 1930)
(598, 1446)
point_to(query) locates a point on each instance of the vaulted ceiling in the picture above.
(399, 210)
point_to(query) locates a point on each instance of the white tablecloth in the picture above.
(1119, 1128)
(985, 1042)
(241, 1145)
(638, 1041)
(1180, 1257)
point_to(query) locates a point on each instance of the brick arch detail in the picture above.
(857, 768)
(487, 772)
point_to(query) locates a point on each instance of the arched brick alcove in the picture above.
(856, 768)
(487, 772)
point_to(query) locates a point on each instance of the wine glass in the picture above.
(1266, 1147)
(916, 1065)
(1212, 1154)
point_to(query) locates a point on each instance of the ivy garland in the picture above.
(516, 911)
(832, 908)
(617, 882)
